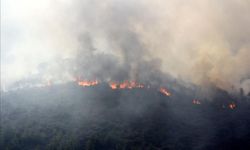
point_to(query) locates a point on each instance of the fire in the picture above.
(165, 91)
(125, 85)
(121, 85)
(196, 102)
(113, 85)
(87, 83)
(232, 105)
(133, 84)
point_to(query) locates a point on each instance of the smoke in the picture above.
(203, 42)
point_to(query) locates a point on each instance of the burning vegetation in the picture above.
(114, 85)
(88, 83)
(165, 91)
(130, 85)
(70, 113)
(125, 85)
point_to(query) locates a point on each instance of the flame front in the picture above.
(113, 85)
(87, 83)
(120, 85)
(132, 85)
(165, 91)
(125, 85)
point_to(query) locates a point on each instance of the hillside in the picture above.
(68, 116)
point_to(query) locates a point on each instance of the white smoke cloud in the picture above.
(203, 42)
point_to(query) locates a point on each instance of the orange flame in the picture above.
(113, 85)
(165, 91)
(87, 83)
(120, 85)
(196, 102)
(232, 105)
(125, 85)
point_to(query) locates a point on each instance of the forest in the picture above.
(70, 117)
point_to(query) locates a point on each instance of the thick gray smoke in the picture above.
(202, 42)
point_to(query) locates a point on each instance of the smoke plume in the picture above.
(205, 42)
